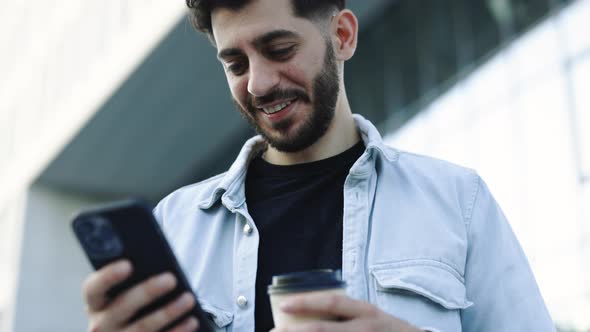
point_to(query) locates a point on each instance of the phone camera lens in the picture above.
(85, 227)
(100, 238)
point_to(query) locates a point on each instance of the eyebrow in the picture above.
(269, 37)
(229, 53)
(258, 42)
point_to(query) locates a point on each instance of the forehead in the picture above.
(232, 28)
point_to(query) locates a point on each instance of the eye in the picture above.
(237, 67)
(282, 53)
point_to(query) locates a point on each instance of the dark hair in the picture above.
(200, 10)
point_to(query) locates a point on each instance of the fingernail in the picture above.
(191, 325)
(122, 268)
(165, 280)
(185, 301)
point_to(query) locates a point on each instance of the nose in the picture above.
(262, 79)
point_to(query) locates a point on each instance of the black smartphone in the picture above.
(128, 230)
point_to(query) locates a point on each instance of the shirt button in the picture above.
(247, 229)
(242, 301)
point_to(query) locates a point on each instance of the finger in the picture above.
(98, 283)
(328, 304)
(324, 326)
(128, 303)
(162, 317)
(188, 325)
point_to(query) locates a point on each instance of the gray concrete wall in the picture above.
(52, 265)
(10, 235)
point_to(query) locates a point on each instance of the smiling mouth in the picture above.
(277, 108)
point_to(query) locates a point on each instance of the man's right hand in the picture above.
(113, 315)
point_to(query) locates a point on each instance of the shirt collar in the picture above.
(231, 188)
(373, 140)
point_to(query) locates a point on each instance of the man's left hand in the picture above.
(355, 315)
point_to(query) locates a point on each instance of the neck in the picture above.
(340, 136)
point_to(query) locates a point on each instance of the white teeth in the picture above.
(276, 108)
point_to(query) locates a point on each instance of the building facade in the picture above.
(102, 100)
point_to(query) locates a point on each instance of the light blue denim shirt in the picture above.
(423, 240)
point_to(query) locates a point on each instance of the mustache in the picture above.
(277, 94)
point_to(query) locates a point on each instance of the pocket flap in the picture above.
(430, 280)
(220, 317)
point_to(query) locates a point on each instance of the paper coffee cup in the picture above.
(314, 281)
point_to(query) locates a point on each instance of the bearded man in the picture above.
(421, 243)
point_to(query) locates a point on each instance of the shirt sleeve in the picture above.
(498, 277)
(157, 211)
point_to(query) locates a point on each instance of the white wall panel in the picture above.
(576, 25)
(581, 82)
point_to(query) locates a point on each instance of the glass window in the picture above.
(525, 13)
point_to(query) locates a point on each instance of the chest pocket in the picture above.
(221, 318)
(423, 292)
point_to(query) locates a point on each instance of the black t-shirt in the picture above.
(298, 212)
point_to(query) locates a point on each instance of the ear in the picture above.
(344, 30)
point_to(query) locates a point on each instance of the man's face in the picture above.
(281, 71)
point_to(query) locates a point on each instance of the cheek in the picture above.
(238, 89)
(304, 68)
(299, 75)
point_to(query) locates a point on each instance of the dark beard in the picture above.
(325, 95)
